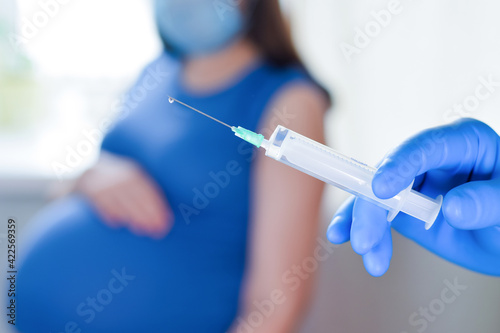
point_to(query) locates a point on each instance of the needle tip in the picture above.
(171, 100)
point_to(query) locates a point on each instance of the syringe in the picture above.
(325, 164)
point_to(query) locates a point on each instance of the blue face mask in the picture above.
(197, 27)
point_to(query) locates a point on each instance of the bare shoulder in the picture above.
(299, 106)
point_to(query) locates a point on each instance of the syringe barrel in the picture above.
(326, 164)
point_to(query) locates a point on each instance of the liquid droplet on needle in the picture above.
(171, 100)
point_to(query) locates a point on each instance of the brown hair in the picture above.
(269, 30)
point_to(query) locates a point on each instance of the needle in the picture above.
(171, 100)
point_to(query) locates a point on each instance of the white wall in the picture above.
(427, 59)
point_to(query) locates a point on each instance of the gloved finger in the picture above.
(437, 148)
(377, 261)
(339, 230)
(369, 224)
(473, 205)
(488, 238)
(418, 181)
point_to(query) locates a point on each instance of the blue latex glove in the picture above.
(461, 161)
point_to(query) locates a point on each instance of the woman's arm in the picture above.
(124, 195)
(285, 218)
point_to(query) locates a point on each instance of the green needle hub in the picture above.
(248, 136)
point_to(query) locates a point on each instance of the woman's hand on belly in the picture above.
(125, 196)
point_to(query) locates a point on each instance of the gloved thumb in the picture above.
(474, 205)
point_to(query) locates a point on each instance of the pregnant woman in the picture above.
(180, 226)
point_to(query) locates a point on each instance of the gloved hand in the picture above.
(461, 161)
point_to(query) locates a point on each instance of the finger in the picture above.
(443, 147)
(488, 238)
(137, 206)
(106, 214)
(109, 211)
(153, 206)
(377, 261)
(473, 205)
(156, 223)
(101, 207)
(130, 208)
(131, 214)
(153, 213)
(340, 228)
(369, 223)
(139, 229)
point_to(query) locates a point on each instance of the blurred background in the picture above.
(63, 73)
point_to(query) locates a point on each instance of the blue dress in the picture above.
(78, 274)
